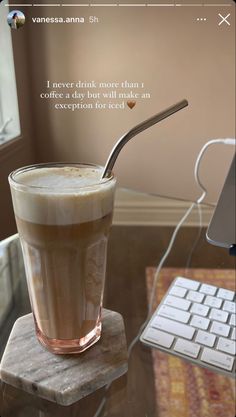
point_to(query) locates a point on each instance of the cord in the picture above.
(192, 250)
(227, 141)
(3, 127)
(172, 240)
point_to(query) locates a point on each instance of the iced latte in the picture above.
(63, 214)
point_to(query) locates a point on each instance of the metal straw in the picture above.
(138, 129)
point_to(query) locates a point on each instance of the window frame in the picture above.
(9, 107)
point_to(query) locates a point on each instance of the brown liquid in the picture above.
(65, 268)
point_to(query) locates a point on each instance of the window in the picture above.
(9, 112)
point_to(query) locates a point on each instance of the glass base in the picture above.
(69, 346)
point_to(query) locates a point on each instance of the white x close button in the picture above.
(224, 19)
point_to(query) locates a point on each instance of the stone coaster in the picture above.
(64, 379)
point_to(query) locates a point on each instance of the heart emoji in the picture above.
(131, 104)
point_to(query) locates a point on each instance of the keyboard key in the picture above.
(199, 309)
(225, 294)
(233, 334)
(178, 291)
(172, 301)
(174, 314)
(208, 289)
(170, 326)
(219, 315)
(227, 346)
(187, 283)
(195, 296)
(216, 358)
(187, 348)
(220, 329)
(158, 337)
(200, 322)
(232, 320)
(212, 301)
(205, 338)
(229, 306)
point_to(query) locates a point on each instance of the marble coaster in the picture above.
(64, 379)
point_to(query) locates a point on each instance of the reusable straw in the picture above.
(138, 129)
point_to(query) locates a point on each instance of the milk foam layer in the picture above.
(62, 195)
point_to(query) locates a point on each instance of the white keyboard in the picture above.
(196, 322)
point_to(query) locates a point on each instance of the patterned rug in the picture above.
(182, 389)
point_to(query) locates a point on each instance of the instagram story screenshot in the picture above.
(117, 208)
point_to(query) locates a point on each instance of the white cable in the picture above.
(172, 240)
(100, 407)
(227, 141)
(3, 127)
(198, 201)
(189, 259)
(166, 254)
(134, 341)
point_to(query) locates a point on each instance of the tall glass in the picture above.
(63, 220)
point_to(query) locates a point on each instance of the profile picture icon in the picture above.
(15, 19)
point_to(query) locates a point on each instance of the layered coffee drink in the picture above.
(63, 215)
